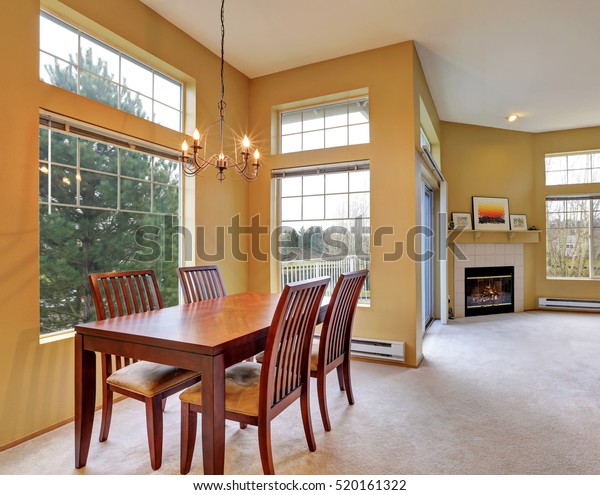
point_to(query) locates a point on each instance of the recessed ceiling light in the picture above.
(512, 117)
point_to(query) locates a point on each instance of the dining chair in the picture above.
(333, 350)
(124, 293)
(199, 283)
(256, 394)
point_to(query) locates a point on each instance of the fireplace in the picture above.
(489, 290)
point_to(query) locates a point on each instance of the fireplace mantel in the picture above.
(495, 237)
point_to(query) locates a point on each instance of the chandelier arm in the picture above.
(194, 165)
(242, 166)
(250, 177)
(248, 171)
(200, 163)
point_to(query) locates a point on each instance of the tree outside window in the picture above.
(573, 238)
(94, 197)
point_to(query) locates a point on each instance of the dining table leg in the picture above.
(85, 400)
(213, 416)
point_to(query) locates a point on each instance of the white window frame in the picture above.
(122, 56)
(573, 172)
(346, 264)
(348, 127)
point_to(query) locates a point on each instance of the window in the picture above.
(573, 168)
(327, 126)
(72, 60)
(103, 207)
(324, 217)
(573, 221)
(573, 237)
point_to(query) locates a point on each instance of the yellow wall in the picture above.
(388, 73)
(36, 380)
(22, 362)
(483, 161)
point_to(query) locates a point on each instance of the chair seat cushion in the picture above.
(241, 389)
(314, 357)
(149, 379)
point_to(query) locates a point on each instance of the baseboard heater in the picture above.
(387, 350)
(565, 303)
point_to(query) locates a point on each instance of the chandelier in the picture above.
(198, 159)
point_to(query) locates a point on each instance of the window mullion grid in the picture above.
(56, 57)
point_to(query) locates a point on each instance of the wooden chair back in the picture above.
(123, 293)
(199, 283)
(285, 367)
(336, 333)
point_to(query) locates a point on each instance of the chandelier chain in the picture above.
(222, 50)
(199, 159)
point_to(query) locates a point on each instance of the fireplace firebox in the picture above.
(489, 290)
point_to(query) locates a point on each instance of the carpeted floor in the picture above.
(504, 394)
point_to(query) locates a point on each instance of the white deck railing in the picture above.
(294, 271)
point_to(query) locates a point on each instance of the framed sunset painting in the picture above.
(490, 213)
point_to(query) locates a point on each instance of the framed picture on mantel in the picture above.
(518, 222)
(462, 221)
(490, 213)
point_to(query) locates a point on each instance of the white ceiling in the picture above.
(484, 59)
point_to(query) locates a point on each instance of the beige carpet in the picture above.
(506, 394)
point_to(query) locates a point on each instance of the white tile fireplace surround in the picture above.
(488, 254)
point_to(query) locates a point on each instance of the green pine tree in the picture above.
(75, 242)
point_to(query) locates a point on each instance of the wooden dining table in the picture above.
(206, 336)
